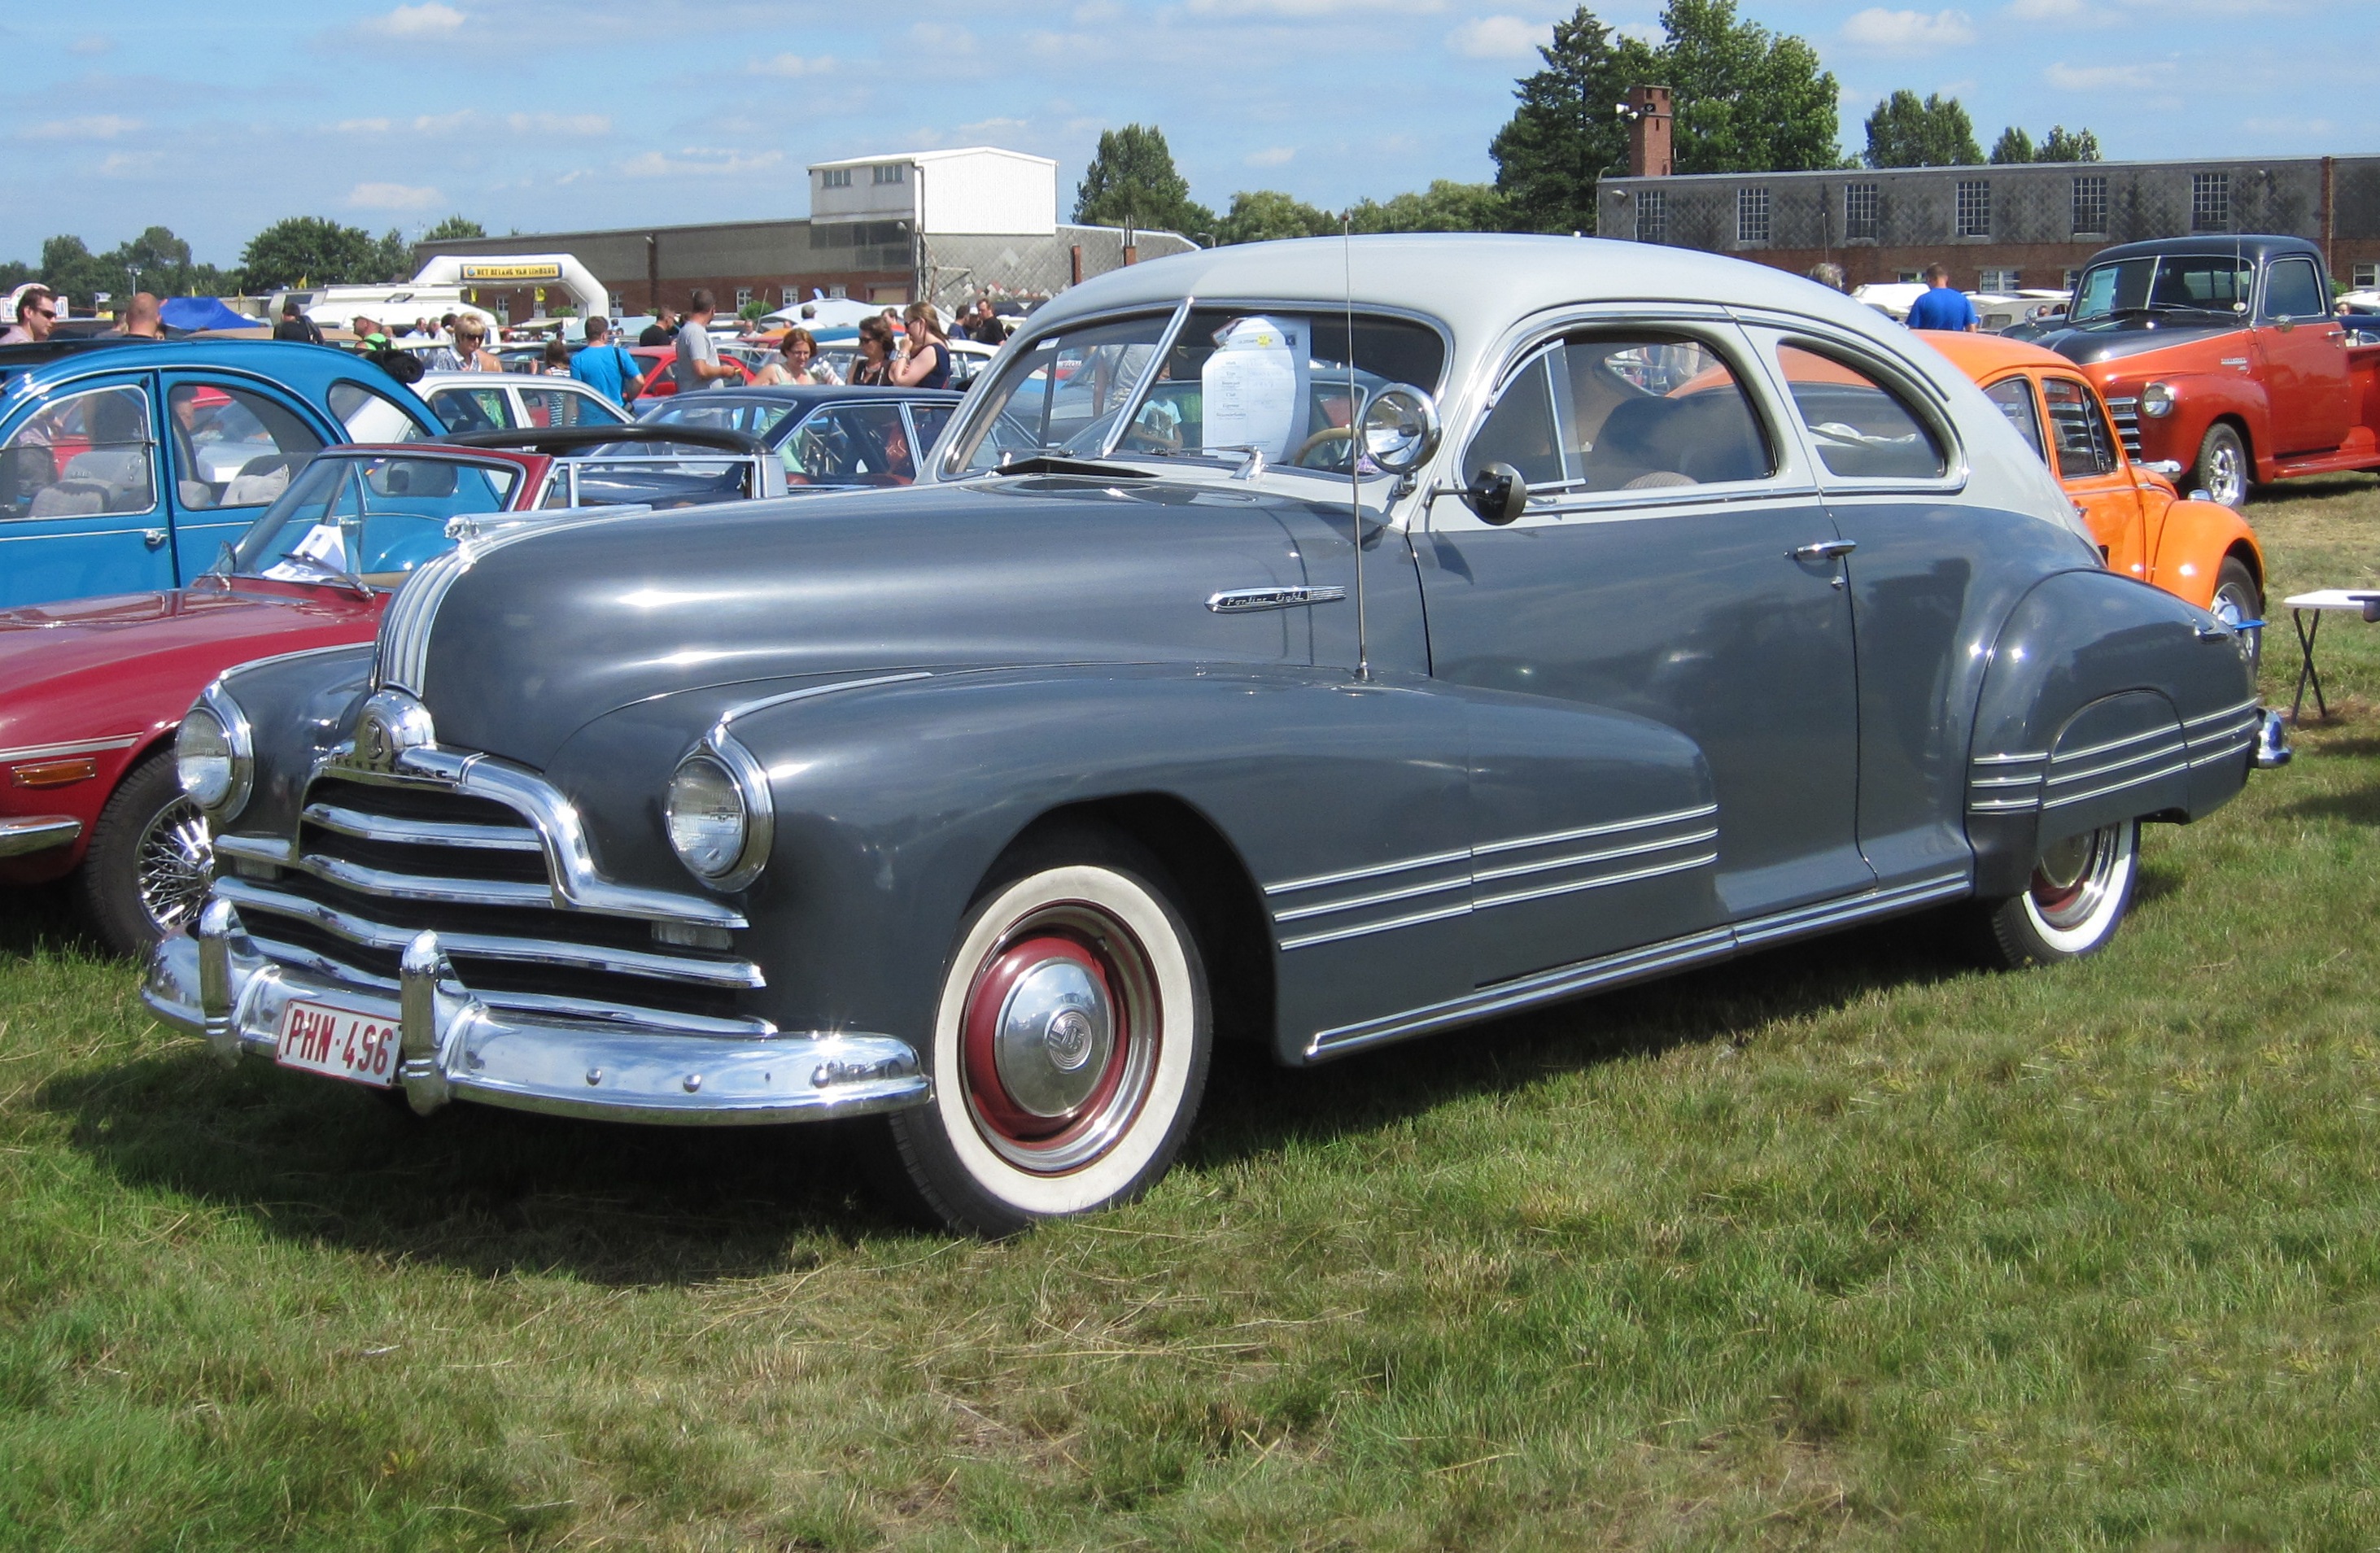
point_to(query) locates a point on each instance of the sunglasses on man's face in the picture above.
(43, 312)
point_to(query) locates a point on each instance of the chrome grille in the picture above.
(2126, 414)
(375, 863)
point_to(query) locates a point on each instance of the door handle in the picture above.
(154, 538)
(1822, 550)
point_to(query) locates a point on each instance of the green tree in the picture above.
(393, 257)
(1260, 215)
(1567, 133)
(15, 273)
(1904, 132)
(1444, 206)
(311, 250)
(1747, 100)
(454, 228)
(1744, 100)
(2014, 145)
(72, 271)
(1131, 182)
(2080, 146)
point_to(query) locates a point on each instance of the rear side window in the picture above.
(371, 416)
(1862, 429)
(851, 444)
(234, 446)
(2013, 398)
(2080, 432)
(1599, 413)
(559, 406)
(471, 409)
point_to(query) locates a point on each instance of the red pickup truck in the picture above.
(2220, 355)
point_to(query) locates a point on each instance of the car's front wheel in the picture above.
(2079, 891)
(150, 855)
(2223, 470)
(2238, 599)
(1070, 1042)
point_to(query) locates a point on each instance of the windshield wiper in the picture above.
(325, 570)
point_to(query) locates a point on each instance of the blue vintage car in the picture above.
(125, 465)
(1309, 644)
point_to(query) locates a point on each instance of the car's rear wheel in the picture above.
(2223, 470)
(2237, 598)
(151, 855)
(2079, 892)
(1070, 1042)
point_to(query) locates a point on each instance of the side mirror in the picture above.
(1498, 494)
(1400, 429)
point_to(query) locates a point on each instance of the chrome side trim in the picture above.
(1348, 876)
(2065, 798)
(1635, 965)
(423, 833)
(254, 897)
(79, 746)
(1515, 871)
(2060, 775)
(1582, 833)
(1412, 919)
(2008, 759)
(1515, 897)
(1245, 600)
(1377, 898)
(20, 838)
(2250, 704)
(2083, 751)
(809, 691)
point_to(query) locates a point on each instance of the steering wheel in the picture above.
(1322, 439)
(1140, 439)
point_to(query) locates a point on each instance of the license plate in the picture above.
(323, 1039)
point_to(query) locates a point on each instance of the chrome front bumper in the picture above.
(20, 838)
(214, 982)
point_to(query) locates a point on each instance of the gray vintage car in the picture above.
(1723, 612)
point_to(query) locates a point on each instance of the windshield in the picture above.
(2170, 283)
(758, 416)
(1234, 381)
(373, 518)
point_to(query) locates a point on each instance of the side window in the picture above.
(1520, 429)
(2292, 291)
(371, 416)
(1862, 429)
(234, 448)
(86, 454)
(851, 445)
(929, 420)
(2084, 445)
(458, 410)
(560, 406)
(2014, 398)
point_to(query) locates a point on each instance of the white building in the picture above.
(980, 191)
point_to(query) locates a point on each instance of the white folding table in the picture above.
(2362, 601)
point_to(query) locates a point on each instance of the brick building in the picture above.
(947, 226)
(1996, 228)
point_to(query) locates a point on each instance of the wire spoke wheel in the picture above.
(172, 861)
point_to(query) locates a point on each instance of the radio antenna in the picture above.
(1354, 450)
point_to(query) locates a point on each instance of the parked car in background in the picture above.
(989, 804)
(125, 466)
(2222, 355)
(655, 361)
(2199, 551)
(824, 438)
(502, 401)
(96, 687)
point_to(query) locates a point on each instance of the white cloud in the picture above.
(96, 127)
(2049, 10)
(940, 39)
(1272, 156)
(560, 124)
(392, 197)
(447, 124)
(1909, 31)
(699, 162)
(129, 164)
(2103, 77)
(95, 44)
(790, 66)
(1499, 37)
(429, 19)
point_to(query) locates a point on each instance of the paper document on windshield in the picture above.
(1250, 385)
(322, 543)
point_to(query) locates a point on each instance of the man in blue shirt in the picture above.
(603, 366)
(1941, 308)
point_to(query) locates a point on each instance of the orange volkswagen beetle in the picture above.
(2204, 551)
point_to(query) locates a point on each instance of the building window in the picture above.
(2069, 278)
(1859, 211)
(2002, 281)
(888, 172)
(2091, 203)
(838, 292)
(835, 177)
(1652, 216)
(1910, 277)
(1752, 215)
(1975, 207)
(2367, 276)
(2210, 201)
(743, 298)
(788, 295)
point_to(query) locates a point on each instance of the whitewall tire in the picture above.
(2081, 889)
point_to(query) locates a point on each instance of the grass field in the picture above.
(1848, 1244)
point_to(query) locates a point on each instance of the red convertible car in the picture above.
(97, 687)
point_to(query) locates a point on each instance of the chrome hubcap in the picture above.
(2072, 881)
(1052, 1037)
(2223, 473)
(173, 861)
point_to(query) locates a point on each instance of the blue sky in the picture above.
(539, 114)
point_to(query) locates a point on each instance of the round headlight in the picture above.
(202, 758)
(719, 814)
(2156, 399)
